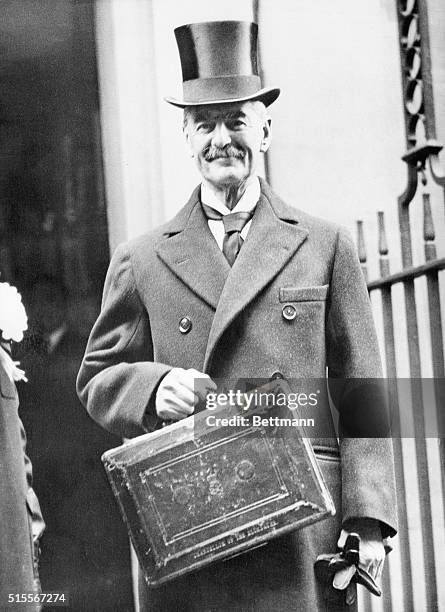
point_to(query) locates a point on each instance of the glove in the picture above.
(342, 569)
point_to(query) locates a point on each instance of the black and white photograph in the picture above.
(222, 306)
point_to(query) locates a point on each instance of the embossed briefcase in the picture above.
(204, 489)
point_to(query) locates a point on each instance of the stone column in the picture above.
(129, 117)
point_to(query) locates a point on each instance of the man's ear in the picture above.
(267, 135)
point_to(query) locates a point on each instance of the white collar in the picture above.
(247, 202)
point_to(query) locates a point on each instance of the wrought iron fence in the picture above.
(423, 177)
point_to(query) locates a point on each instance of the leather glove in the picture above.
(342, 569)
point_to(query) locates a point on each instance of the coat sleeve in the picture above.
(357, 390)
(35, 512)
(118, 378)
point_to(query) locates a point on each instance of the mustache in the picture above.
(228, 151)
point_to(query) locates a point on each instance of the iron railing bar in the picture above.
(394, 406)
(391, 372)
(418, 411)
(386, 589)
(435, 320)
(421, 448)
(437, 356)
(367, 601)
(408, 274)
(432, 278)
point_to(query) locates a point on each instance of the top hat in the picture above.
(219, 64)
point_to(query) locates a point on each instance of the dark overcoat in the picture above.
(238, 330)
(16, 546)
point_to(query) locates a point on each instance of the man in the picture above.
(192, 301)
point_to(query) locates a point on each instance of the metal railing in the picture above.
(423, 174)
(384, 286)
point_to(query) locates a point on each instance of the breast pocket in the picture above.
(304, 294)
(302, 303)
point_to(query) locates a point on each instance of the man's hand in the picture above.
(179, 392)
(372, 551)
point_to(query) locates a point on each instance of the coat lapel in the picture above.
(192, 253)
(273, 238)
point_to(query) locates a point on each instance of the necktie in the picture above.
(233, 226)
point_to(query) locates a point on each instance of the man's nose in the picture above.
(220, 136)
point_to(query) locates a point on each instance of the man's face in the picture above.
(227, 140)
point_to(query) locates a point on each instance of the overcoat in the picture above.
(289, 258)
(17, 502)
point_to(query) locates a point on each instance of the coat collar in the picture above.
(180, 221)
(191, 252)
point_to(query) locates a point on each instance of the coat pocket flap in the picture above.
(303, 294)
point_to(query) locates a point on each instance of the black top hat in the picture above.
(219, 64)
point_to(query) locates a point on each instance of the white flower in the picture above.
(13, 319)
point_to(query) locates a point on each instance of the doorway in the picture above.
(54, 249)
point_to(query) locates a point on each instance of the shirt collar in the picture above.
(247, 202)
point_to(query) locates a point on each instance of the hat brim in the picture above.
(266, 95)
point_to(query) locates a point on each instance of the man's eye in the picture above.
(204, 127)
(237, 124)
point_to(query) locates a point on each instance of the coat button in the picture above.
(289, 312)
(185, 325)
(276, 376)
